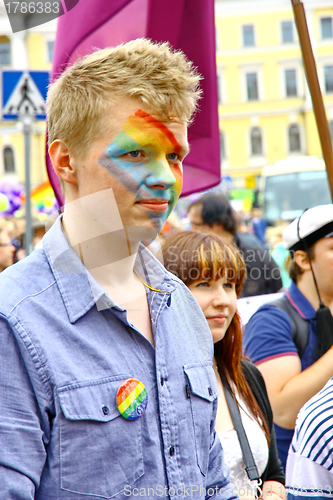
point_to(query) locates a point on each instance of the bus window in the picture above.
(287, 195)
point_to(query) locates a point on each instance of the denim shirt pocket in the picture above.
(203, 392)
(100, 451)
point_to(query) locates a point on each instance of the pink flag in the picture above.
(188, 25)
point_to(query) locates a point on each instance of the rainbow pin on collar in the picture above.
(132, 398)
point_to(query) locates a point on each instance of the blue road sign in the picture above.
(24, 93)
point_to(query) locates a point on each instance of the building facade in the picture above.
(265, 107)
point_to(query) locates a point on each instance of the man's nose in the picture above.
(161, 176)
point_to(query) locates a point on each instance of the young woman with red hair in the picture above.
(215, 272)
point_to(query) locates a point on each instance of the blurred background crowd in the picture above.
(250, 227)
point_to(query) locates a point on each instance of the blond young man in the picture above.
(108, 389)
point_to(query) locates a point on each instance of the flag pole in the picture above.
(27, 128)
(313, 83)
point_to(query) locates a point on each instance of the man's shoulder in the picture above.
(190, 316)
(314, 420)
(23, 279)
(270, 313)
(158, 266)
(247, 241)
(268, 334)
(253, 250)
(268, 323)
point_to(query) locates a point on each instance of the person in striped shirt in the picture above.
(309, 470)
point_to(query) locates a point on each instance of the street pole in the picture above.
(314, 87)
(27, 128)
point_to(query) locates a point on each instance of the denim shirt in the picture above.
(65, 349)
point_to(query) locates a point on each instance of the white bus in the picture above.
(290, 186)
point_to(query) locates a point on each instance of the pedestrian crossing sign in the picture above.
(24, 93)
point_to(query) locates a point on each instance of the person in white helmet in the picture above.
(290, 339)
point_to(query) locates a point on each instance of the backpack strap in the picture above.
(299, 326)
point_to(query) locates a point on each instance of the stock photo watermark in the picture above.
(178, 263)
(193, 490)
(32, 13)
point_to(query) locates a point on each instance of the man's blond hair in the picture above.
(79, 101)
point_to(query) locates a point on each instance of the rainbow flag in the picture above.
(42, 196)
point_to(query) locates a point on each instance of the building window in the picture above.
(294, 139)
(291, 83)
(248, 35)
(252, 86)
(256, 141)
(50, 47)
(287, 31)
(8, 160)
(5, 55)
(222, 146)
(328, 75)
(326, 27)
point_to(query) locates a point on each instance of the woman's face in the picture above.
(218, 301)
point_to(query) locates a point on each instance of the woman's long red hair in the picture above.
(209, 258)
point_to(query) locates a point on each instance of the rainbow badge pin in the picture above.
(132, 398)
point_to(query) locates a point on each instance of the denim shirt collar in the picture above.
(79, 290)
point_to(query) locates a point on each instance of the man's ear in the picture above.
(62, 162)
(301, 259)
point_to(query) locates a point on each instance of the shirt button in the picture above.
(105, 410)
(171, 451)
(162, 380)
(210, 392)
(109, 304)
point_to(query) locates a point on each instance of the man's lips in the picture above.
(155, 205)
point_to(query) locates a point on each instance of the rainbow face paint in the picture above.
(145, 158)
(132, 399)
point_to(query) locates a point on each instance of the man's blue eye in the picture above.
(173, 156)
(134, 154)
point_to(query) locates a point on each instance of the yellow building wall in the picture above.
(312, 136)
(267, 29)
(233, 84)
(273, 113)
(236, 131)
(37, 52)
(38, 166)
(275, 139)
(317, 14)
(38, 172)
(17, 142)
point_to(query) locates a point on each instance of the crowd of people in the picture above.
(128, 374)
